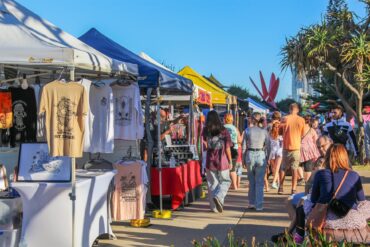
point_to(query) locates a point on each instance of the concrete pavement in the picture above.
(197, 221)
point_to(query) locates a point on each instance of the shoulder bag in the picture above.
(316, 219)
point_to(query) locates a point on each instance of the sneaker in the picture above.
(281, 191)
(301, 182)
(218, 204)
(275, 186)
(251, 207)
(259, 209)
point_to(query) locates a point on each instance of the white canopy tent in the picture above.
(27, 39)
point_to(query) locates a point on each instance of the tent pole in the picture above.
(73, 179)
(159, 148)
(190, 121)
(149, 139)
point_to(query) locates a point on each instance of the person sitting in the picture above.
(351, 194)
(323, 144)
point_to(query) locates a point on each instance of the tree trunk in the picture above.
(360, 130)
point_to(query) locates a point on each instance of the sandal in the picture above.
(281, 191)
(294, 191)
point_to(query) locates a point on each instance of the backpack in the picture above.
(339, 135)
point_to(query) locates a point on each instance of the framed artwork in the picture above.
(36, 165)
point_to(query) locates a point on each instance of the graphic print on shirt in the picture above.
(64, 118)
(215, 143)
(19, 110)
(5, 111)
(103, 101)
(128, 188)
(123, 110)
(41, 162)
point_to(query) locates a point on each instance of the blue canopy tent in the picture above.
(154, 75)
(257, 107)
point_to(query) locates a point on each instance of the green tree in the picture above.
(283, 105)
(339, 47)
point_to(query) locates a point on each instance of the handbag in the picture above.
(316, 219)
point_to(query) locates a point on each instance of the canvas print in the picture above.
(35, 164)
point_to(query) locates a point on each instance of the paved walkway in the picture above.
(197, 222)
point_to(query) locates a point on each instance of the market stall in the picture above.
(220, 99)
(36, 52)
(169, 86)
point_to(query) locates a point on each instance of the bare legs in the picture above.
(276, 163)
(234, 182)
(294, 179)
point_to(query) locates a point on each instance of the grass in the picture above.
(361, 168)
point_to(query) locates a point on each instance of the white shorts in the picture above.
(276, 153)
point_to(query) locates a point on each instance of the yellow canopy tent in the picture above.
(218, 95)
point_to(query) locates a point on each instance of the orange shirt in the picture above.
(292, 130)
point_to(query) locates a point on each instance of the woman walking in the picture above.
(255, 161)
(309, 151)
(235, 139)
(218, 162)
(276, 153)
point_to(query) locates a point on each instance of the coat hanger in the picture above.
(99, 82)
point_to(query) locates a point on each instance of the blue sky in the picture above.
(232, 39)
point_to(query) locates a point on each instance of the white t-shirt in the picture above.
(128, 116)
(101, 126)
(89, 118)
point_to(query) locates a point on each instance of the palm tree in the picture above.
(341, 50)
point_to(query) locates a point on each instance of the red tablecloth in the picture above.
(177, 181)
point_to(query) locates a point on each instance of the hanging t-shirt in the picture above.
(128, 116)
(24, 115)
(40, 133)
(102, 124)
(6, 113)
(89, 117)
(129, 194)
(37, 88)
(65, 107)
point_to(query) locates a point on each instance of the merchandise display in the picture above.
(35, 164)
(101, 125)
(6, 113)
(65, 107)
(24, 115)
(128, 116)
(130, 188)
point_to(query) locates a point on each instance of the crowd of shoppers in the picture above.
(315, 154)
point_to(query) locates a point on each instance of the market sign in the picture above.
(40, 60)
(204, 97)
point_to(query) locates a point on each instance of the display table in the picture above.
(47, 210)
(177, 181)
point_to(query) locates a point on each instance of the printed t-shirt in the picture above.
(129, 193)
(6, 113)
(292, 131)
(89, 117)
(102, 124)
(24, 115)
(216, 150)
(65, 106)
(233, 134)
(128, 118)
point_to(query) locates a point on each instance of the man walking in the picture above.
(292, 130)
(341, 131)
